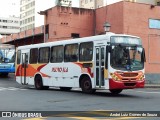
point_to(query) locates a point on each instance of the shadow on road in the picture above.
(100, 93)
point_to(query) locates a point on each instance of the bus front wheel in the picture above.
(115, 91)
(86, 85)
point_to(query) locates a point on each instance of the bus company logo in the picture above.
(60, 69)
(6, 114)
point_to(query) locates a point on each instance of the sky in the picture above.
(9, 7)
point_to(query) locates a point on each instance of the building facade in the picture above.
(137, 19)
(132, 18)
(9, 25)
(67, 22)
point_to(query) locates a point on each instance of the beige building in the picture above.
(92, 4)
(9, 25)
(29, 17)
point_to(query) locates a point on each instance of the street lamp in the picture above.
(106, 27)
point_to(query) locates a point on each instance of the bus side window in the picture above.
(57, 54)
(44, 55)
(33, 55)
(18, 57)
(86, 51)
(71, 53)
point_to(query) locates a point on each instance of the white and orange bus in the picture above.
(111, 61)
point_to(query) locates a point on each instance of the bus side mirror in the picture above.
(143, 56)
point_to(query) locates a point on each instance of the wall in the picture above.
(65, 20)
(133, 18)
(112, 14)
(32, 36)
(137, 23)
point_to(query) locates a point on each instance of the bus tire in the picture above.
(115, 91)
(4, 74)
(86, 85)
(65, 88)
(38, 82)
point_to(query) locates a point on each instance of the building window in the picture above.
(4, 26)
(74, 35)
(154, 23)
(5, 21)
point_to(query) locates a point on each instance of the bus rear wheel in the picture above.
(86, 85)
(115, 91)
(39, 83)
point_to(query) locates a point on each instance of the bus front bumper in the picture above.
(11, 70)
(126, 85)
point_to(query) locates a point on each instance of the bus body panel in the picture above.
(55, 74)
(68, 74)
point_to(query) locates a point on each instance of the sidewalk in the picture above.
(152, 85)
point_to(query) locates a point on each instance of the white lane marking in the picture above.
(142, 91)
(148, 92)
(11, 89)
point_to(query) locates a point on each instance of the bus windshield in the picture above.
(7, 55)
(127, 57)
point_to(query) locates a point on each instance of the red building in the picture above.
(136, 19)
(125, 18)
(66, 22)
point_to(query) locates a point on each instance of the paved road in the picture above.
(15, 97)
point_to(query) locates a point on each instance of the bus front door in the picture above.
(24, 68)
(99, 66)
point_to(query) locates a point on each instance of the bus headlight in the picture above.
(114, 77)
(141, 77)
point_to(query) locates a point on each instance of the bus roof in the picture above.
(77, 40)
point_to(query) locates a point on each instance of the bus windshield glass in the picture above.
(127, 56)
(7, 54)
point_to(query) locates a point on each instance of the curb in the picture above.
(152, 86)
